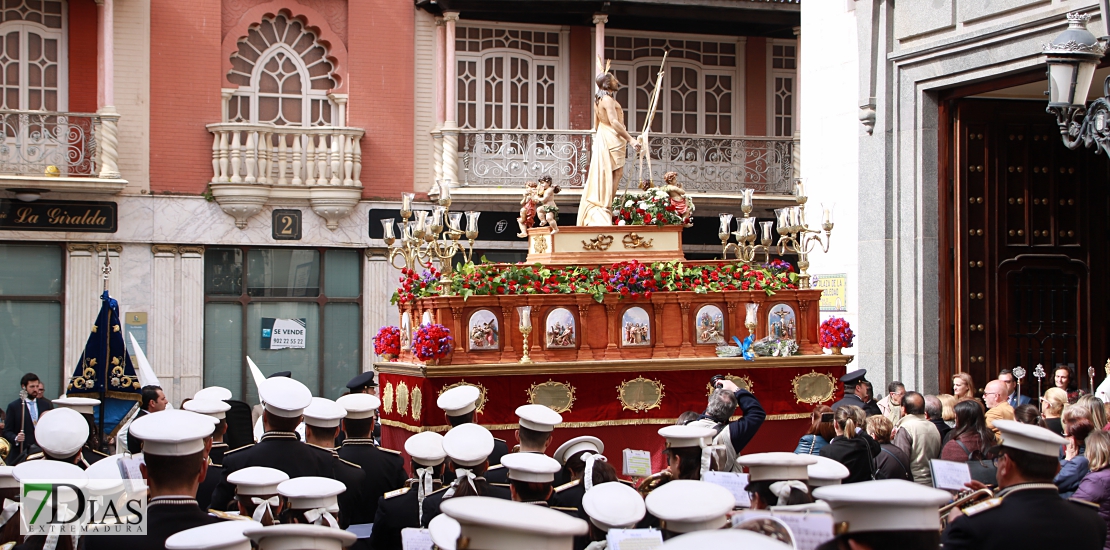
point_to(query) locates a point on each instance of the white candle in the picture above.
(799, 189)
(752, 309)
(525, 314)
(406, 201)
(747, 195)
(726, 224)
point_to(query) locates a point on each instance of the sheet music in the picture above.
(810, 529)
(637, 463)
(736, 484)
(950, 475)
(634, 539)
(416, 539)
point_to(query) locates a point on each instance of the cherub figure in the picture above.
(683, 205)
(549, 211)
(528, 208)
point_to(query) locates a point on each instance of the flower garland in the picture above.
(836, 333)
(624, 279)
(388, 341)
(651, 207)
(432, 342)
(414, 285)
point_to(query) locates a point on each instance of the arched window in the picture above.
(283, 74)
(32, 55)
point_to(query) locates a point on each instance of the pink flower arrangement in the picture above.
(388, 341)
(432, 342)
(836, 333)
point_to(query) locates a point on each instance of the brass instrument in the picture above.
(961, 502)
(5, 449)
(653, 482)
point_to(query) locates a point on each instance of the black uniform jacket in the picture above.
(212, 478)
(871, 408)
(165, 517)
(351, 501)
(280, 450)
(216, 455)
(384, 470)
(396, 510)
(431, 502)
(1029, 515)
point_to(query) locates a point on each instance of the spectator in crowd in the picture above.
(1074, 465)
(24, 414)
(1027, 414)
(732, 435)
(918, 437)
(1052, 406)
(1006, 376)
(1095, 487)
(948, 409)
(891, 405)
(963, 387)
(934, 412)
(971, 438)
(870, 407)
(820, 431)
(850, 447)
(1098, 412)
(1062, 379)
(994, 395)
(686, 418)
(892, 462)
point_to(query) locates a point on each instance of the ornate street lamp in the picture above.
(1072, 58)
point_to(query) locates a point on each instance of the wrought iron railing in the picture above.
(716, 164)
(43, 143)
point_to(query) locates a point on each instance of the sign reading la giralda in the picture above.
(82, 216)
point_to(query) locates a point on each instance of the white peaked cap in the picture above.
(459, 400)
(577, 445)
(531, 467)
(498, 524)
(7, 480)
(300, 537)
(50, 471)
(284, 397)
(225, 535)
(305, 493)
(61, 432)
(172, 432)
(826, 472)
(257, 481)
(359, 405)
(725, 538)
(324, 413)
(208, 407)
(426, 448)
(217, 393)
(613, 505)
(445, 532)
(777, 466)
(105, 477)
(685, 505)
(468, 445)
(538, 417)
(83, 405)
(1029, 438)
(687, 436)
(884, 505)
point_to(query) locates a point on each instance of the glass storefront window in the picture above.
(246, 286)
(31, 283)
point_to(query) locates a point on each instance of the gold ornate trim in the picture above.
(157, 249)
(743, 382)
(593, 424)
(600, 242)
(640, 394)
(539, 244)
(196, 249)
(417, 403)
(557, 396)
(402, 398)
(632, 240)
(481, 405)
(387, 398)
(635, 366)
(814, 387)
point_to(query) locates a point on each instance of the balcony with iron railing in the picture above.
(60, 152)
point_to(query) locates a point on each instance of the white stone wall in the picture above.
(132, 91)
(424, 112)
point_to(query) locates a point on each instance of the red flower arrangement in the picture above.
(387, 343)
(836, 333)
(432, 342)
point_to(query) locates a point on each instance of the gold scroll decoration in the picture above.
(600, 242)
(742, 382)
(633, 240)
(556, 396)
(417, 403)
(402, 398)
(387, 398)
(640, 394)
(814, 387)
(481, 404)
(539, 244)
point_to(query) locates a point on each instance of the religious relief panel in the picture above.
(781, 323)
(560, 327)
(710, 325)
(483, 331)
(635, 327)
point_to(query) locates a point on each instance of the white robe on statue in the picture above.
(607, 154)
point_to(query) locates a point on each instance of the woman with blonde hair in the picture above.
(963, 387)
(948, 409)
(1098, 413)
(1095, 487)
(1052, 407)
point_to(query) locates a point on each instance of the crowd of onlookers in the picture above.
(910, 429)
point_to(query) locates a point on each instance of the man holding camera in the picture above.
(732, 437)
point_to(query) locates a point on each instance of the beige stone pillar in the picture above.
(84, 285)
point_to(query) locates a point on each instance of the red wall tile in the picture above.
(581, 85)
(755, 86)
(82, 56)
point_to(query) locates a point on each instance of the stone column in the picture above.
(440, 98)
(450, 125)
(189, 346)
(162, 330)
(600, 19)
(379, 280)
(107, 136)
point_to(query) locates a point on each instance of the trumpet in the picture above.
(961, 502)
